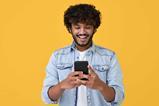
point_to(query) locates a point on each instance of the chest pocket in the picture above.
(102, 71)
(101, 68)
(63, 70)
(63, 66)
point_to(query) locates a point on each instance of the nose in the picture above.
(82, 31)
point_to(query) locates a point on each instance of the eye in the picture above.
(76, 27)
(88, 27)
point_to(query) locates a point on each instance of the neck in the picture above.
(83, 48)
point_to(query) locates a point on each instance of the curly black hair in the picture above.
(85, 13)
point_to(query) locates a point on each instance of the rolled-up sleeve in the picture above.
(115, 80)
(50, 80)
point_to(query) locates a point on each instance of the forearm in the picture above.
(70, 82)
(55, 92)
(107, 92)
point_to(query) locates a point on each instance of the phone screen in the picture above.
(81, 66)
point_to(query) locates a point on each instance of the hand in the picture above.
(71, 81)
(93, 82)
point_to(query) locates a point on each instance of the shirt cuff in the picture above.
(119, 95)
(45, 96)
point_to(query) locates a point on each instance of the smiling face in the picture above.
(82, 35)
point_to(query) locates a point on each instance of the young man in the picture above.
(63, 84)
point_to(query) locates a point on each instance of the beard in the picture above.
(89, 42)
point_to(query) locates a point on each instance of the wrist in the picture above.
(101, 86)
(61, 86)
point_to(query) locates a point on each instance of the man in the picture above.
(63, 84)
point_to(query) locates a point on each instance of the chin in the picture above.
(82, 45)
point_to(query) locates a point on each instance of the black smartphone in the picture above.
(81, 66)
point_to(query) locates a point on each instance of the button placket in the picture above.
(88, 97)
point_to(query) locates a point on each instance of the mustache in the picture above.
(82, 35)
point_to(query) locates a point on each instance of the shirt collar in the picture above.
(91, 49)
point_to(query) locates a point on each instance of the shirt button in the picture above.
(88, 97)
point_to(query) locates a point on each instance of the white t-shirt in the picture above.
(82, 91)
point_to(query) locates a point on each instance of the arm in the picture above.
(70, 82)
(52, 88)
(115, 80)
(94, 82)
(113, 91)
(106, 91)
(51, 79)
(54, 92)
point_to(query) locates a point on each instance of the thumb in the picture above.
(91, 69)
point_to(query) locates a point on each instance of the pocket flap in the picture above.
(64, 66)
(101, 68)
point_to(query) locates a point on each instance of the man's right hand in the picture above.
(72, 80)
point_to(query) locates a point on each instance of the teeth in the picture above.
(82, 37)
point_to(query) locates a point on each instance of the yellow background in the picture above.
(30, 30)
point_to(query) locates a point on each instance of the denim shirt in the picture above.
(106, 66)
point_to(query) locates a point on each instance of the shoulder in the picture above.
(62, 51)
(104, 51)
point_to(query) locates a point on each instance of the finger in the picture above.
(84, 76)
(73, 78)
(91, 69)
(88, 84)
(77, 82)
(75, 73)
(84, 82)
(91, 77)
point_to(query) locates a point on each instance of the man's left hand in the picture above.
(93, 82)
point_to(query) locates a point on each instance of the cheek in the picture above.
(74, 32)
(90, 32)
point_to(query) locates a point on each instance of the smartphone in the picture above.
(81, 66)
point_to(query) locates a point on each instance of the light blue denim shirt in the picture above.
(106, 66)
